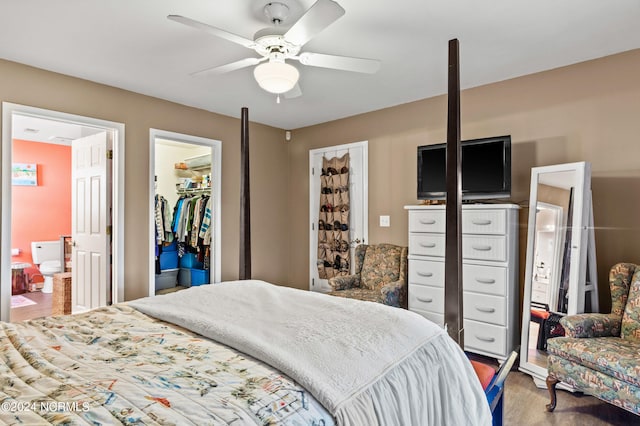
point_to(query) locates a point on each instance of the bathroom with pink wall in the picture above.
(41, 212)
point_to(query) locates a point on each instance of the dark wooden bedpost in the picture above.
(245, 200)
(453, 253)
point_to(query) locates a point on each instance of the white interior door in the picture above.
(91, 192)
(359, 205)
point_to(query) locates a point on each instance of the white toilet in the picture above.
(46, 254)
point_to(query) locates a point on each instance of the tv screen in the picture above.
(486, 169)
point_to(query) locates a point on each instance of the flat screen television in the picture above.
(486, 169)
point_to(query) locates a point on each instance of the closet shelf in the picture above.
(184, 168)
(198, 162)
(193, 190)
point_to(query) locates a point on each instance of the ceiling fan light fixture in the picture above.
(276, 77)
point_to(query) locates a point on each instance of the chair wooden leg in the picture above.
(551, 386)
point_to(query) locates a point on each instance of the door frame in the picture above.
(117, 195)
(558, 243)
(216, 192)
(364, 145)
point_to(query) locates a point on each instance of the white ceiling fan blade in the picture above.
(213, 30)
(345, 63)
(242, 63)
(294, 93)
(319, 16)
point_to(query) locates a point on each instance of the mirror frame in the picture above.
(578, 258)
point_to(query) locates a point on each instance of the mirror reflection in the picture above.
(556, 209)
(550, 275)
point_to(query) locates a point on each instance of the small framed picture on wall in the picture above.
(24, 174)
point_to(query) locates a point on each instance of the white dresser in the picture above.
(489, 273)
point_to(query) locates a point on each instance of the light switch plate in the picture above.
(385, 221)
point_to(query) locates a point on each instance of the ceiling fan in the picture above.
(276, 44)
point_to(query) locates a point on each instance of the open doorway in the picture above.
(184, 211)
(42, 200)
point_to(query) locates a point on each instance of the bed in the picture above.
(242, 353)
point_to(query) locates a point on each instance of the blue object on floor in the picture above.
(495, 390)
(199, 277)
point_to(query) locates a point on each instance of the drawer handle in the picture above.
(429, 300)
(425, 274)
(427, 221)
(428, 245)
(481, 248)
(481, 222)
(486, 339)
(485, 310)
(485, 280)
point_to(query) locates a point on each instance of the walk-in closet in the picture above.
(185, 183)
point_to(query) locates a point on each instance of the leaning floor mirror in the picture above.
(560, 276)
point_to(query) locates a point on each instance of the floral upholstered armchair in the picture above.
(380, 276)
(599, 354)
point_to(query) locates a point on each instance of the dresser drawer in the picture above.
(486, 308)
(485, 337)
(537, 286)
(431, 316)
(427, 221)
(425, 298)
(484, 279)
(487, 247)
(539, 296)
(489, 250)
(426, 272)
(491, 222)
(427, 244)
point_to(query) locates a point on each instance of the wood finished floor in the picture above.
(40, 309)
(524, 402)
(525, 405)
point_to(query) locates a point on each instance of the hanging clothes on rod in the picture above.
(191, 213)
(205, 227)
(163, 229)
(164, 232)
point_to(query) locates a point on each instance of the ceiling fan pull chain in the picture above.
(278, 98)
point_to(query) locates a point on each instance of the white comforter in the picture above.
(366, 363)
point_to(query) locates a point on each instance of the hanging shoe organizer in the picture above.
(333, 224)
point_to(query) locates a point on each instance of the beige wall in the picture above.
(584, 112)
(588, 111)
(38, 88)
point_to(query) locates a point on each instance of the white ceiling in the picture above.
(132, 45)
(49, 131)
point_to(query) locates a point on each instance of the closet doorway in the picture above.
(31, 126)
(348, 196)
(185, 243)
